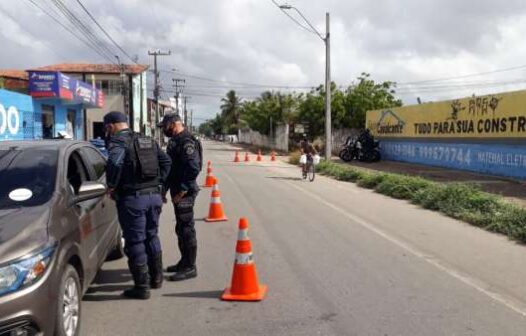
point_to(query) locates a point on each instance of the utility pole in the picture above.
(155, 119)
(327, 40)
(185, 111)
(178, 90)
(192, 120)
(328, 122)
(123, 90)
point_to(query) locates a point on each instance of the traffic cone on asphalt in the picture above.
(236, 158)
(209, 164)
(216, 213)
(247, 158)
(273, 156)
(209, 181)
(244, 285)
(259, 156)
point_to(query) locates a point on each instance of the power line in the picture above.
(84, 29)
(468, 75)
(226, 82)
(105, 32)
(69, 30)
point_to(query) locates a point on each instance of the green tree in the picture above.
(230, 111)
(365, 96)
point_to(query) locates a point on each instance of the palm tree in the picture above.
(230, 109)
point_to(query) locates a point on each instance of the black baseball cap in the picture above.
(168, 119)
(114, 117)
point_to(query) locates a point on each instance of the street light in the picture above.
(327, 41)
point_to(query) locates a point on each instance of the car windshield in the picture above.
(27, 176)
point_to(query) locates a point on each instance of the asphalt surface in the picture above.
(338, 260)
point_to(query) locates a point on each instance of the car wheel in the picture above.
(69, 304)
(117, 251)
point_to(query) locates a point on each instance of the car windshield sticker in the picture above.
(20, 195)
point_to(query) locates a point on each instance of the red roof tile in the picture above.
(133, 69)
(15, 74)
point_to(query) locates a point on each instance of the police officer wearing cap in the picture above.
(185, 151)
(136, 170)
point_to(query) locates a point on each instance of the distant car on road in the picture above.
(57, 227)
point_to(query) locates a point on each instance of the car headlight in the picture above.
(25, 272)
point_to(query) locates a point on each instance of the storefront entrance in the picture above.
(48, 121)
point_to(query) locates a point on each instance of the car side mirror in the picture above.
(89, 190)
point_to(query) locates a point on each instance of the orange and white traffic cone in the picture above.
(273, 156)
(216, 213)
(244, 285)
(209, 181)
(236, 158)
(209, 164)
(259, 156)
(247, 158)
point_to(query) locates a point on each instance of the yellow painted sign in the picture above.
(492, 116)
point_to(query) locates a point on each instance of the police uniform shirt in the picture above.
(185, 156)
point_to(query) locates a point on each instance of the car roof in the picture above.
(42, 144)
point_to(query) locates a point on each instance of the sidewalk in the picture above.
(512, 190)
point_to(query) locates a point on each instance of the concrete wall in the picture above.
(339, 136)
(280, 141)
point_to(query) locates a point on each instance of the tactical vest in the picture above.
(141, 164)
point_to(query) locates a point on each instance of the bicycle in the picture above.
(309, 170)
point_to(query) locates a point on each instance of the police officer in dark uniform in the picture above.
(185, 151)
(135, 172)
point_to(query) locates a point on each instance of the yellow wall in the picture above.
(492, 116)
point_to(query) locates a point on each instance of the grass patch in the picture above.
(465, 202)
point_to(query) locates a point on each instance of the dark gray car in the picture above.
(57, 227)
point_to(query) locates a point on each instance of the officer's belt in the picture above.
(146, 191)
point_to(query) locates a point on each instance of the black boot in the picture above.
(141, 289)
(184, 274)
(181, 263)
(189, 270)
(155, 267)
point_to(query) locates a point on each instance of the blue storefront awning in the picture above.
(54, 84)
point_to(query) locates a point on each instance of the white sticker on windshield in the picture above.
(20, 195)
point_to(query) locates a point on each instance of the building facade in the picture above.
(124, 89)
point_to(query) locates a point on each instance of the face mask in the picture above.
(167, 132)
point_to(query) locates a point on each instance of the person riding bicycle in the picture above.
(307, 152)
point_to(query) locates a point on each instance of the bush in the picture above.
(294, 158)
(370, 180)
(401, 187)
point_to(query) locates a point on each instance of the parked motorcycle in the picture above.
(355, 150)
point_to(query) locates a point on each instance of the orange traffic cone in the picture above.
(209, 182)
(247, 158)
(244, 286)
(259, 156)
(236, 158)
(273, 156)
(216, 213)
(209, 164)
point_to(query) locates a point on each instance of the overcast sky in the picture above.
(253, 42)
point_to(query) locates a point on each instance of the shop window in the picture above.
(109, 87)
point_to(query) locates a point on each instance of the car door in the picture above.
(84, 213)
(106, 225)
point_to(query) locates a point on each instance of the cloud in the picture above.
(252, 41)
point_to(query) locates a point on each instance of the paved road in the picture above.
(338, 260)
